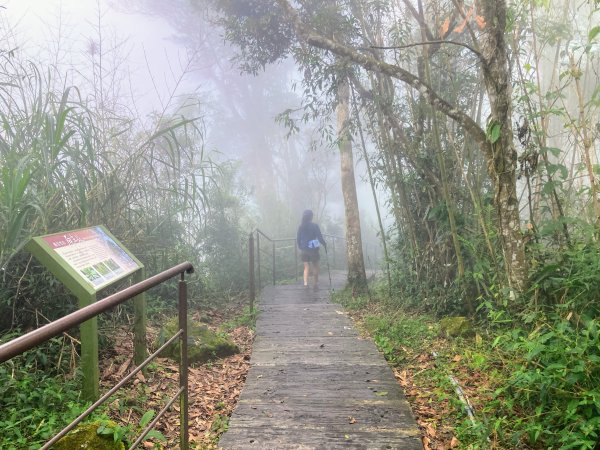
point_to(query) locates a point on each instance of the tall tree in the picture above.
(257, 28)
(283, 175)
(356, 265)
(496, 142)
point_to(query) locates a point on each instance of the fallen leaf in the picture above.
(351, 420)
(123, 368)
(480, 22)
(426, 443)
(403, 378)
(454, 442)
(429, 428)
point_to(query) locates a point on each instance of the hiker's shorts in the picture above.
(310, 255)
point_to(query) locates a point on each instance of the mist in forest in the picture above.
(197, 130)
(163, 57)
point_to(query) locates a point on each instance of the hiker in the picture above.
(309, 239)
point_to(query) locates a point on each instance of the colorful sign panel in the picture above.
(93, 254)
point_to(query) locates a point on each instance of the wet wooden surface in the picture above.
(315, 383)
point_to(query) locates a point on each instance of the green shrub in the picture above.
(570, 277)
(36, 399)
(556, 389)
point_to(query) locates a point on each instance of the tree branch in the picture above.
(398, 131)
(370, 63)
(464, 16)
(419, 18)
(416, 44)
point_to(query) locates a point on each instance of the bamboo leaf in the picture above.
(549, 187)
(170, 128)
(14, 230)
(561, 168)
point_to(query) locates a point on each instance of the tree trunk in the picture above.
(356, 266)
(502, 165)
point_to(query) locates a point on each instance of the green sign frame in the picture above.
(74, 280)
(86, 261)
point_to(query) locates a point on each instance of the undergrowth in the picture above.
(533, 379)
(37, 397)
(40, 389)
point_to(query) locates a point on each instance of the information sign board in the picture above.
(91, 257)
(93, 254)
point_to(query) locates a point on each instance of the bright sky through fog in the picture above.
(148, 43)
(148, 37)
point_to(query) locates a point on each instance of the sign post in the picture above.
(139, 321)
(86, 261)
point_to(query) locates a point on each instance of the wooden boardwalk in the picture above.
(315, 383)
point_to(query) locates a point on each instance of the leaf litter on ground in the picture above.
(214, 387)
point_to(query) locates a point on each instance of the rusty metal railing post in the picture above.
(27, 341)
(251, 270)
(258, 258)
(296, 261)
(273, 263)
(183, 365)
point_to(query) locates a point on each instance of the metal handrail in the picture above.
(260, 233)
(334, 236)
(333, 239)
(255, 265)
(42, 334)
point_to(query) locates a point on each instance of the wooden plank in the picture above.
(275, 437)
(315, 383)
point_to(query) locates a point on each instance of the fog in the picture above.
(161, 57)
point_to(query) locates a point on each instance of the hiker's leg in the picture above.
(316, 270)
(306, 272)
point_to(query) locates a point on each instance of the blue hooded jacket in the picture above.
(308, 232)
